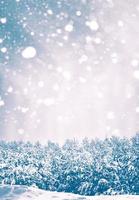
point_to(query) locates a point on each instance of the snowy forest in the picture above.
(91, 167)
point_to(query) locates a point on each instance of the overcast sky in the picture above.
(69, 68)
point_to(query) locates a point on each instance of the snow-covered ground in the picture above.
(24, 193)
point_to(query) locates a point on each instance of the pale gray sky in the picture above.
(69, 69)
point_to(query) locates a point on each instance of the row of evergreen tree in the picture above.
(109, 166)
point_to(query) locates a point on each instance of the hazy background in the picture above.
(80, 75)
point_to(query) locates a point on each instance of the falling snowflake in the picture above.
(69, 28)
(67, 75)
(49, 101)
(3, 20)
(110, 115)
(93, 25)
(20, 131)
(2, 103)
(120, 23)
(3, 49)
(29, 52)
(78, 13)
(10, 89)
(136, 74)
(41, 84)
(134, 62)
(1, 40)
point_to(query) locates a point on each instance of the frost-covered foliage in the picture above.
(109, 166)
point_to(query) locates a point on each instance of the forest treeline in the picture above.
(90, 167)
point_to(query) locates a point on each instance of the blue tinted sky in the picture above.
(68, 69)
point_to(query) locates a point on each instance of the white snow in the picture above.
(10, 89)
(41, 84)
(59, 31)
(24, 109)
(88, 39)
(84, 47)
(114, 58)
(50, 12)
(67, 75)
(56, 87)
(69, 28)
(1, 40)
(110, 115)
(3, 49)
(20, 131)
(49, 101)
(78, 13)
(137, 109)
(120, 23)
(3, 20)
(97, 40)
(59, 69)
(2, 103)
(136, 74)
(93, 25)
(134, 62)
(32, 33)
(83, 58)
(25, 193)
(29, 52)
(82, 79)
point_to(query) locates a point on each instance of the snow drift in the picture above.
(8, 192)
